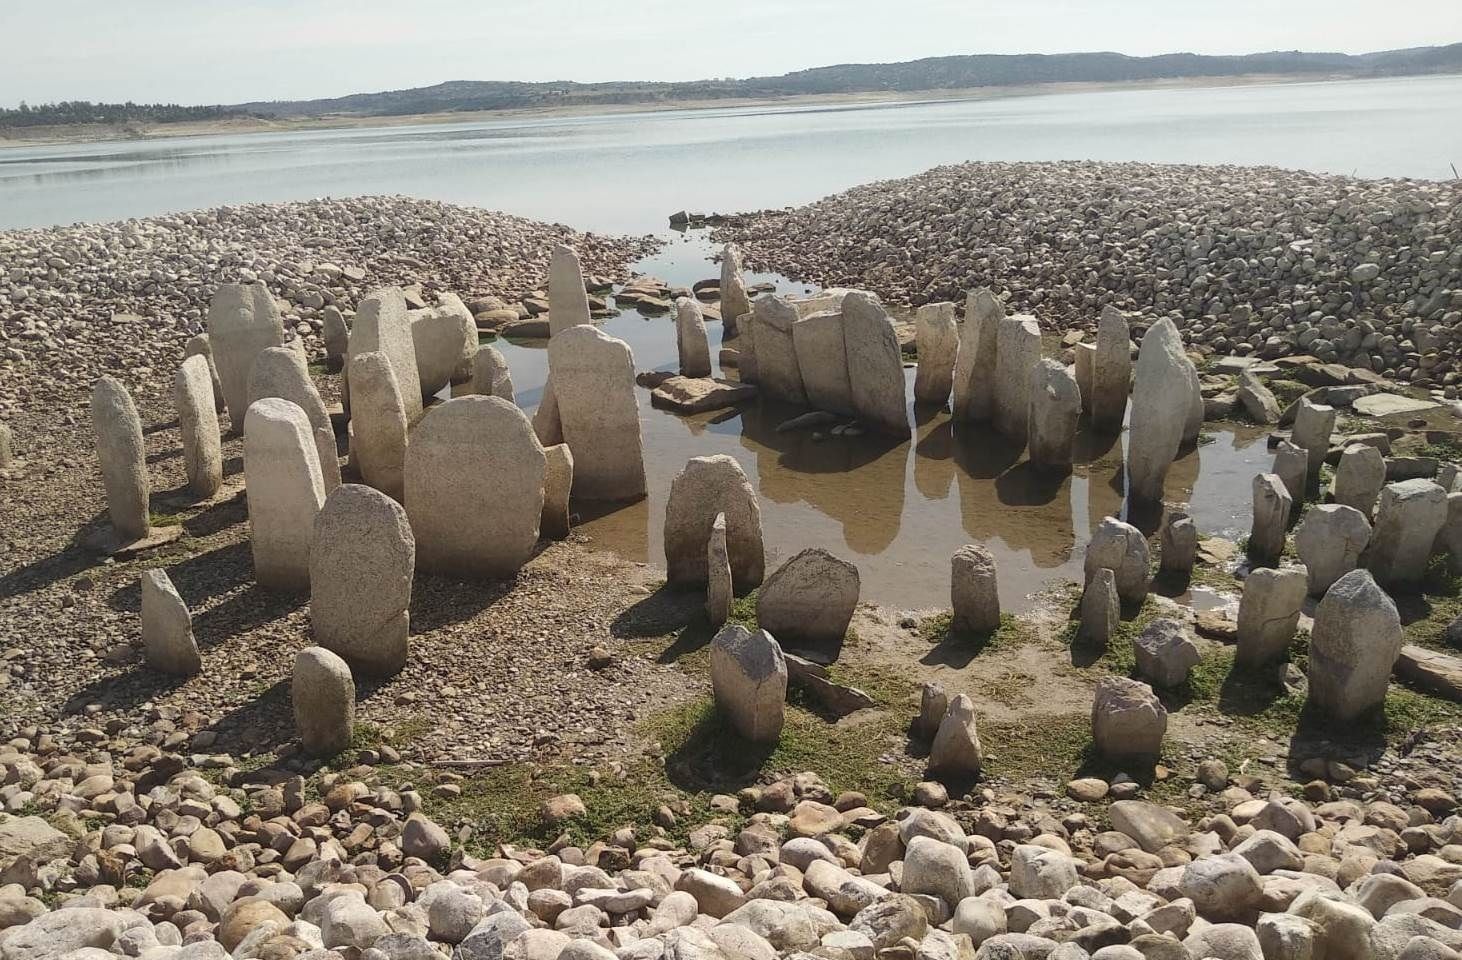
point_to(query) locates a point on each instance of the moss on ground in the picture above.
(1288, 391)
(1425, 615)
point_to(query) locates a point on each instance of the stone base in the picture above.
(106, 541)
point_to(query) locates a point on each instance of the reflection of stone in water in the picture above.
(1025, 508)
(934, 455)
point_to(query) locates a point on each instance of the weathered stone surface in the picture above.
(937, 338)
(1161, 401)
(956, 751)
(477, 451)
(690, 339)
(1101, 608)
(242, 321)
(382, 326)
(974, 590)
(1127, 719)
(1257, 399)
(822, 360)
(705, 488)
(1179, 546)
(123, 458)
(1330, 541)
(198, 424)
(1313, 426)
(1152, 826)
(734, 302)
(933, 704)
(749, 679)
(6, 446)
(167, 627)
(1408, 518)
(490, 374)
(1085, 370)
(1449, 538)
(1353, 645)
(323, 693)
(281, 372)
(546, 422)
(974, 367)
(378, 424)
(444, 339)
(937, 869)
(1269, 613)
(1055, 407)
(199, 345)
(1270, 520)
(336, 336)
(1112, 380)
(1436, 673)
(285, 491)
(558, 482)
(1017, 353)
(361, 566)
(594, 384)
(810, 598)
(875, 365)
(568, 299)
(1359, 477)
(1165, 652)
(778, 373)
(1121, 548)
(1390, 404)
(719, 582)
(698, 395)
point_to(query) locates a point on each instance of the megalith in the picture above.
(198, 424)
(490, 374)
(734, 302)
(974, 365)
(1127, 719)
(1179, 546)
(167, 627)
(1257, 399)
(123, 458)
(1359, 477)
(1408, 518)
(1161, 400)
(1330, 540)
(1017, 354)
(778, 375)
(822, 360)
(336, 335)
(1314, 424)
(1112, 380)
(382, 326)
(1269, 613)
(1271, 508)
(937, 337)
(1121, 548)
(378, 425)
(281, 372)
(1055, 408)
(1165, 652)
(558, 483)
(974, 590)
(749, 682)
(690, 339)
(1101, 609)
(285, 491)
(1193, 424)
(1084, 366)
(594, 387)
(568, 297)
(444, 339)
(1292, 467)
(242, 321)
(875, 365)
(956, 751)
(720, 586)
(198, 346)
(810, 598)
(323, 692)
(705, 488)
(1353, 646)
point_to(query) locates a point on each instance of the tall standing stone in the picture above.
(778, 374)
(123, 458)
(1121, 548)
(690, 339)
(937, 337)
(490, 374)
(708, 487)
(1017, 354)
(956, 751)
(1193, 424)
(1353, 646)
(1292, 467)
(809, 598)
(1330, 540)
(444, 340)
(336, 336)
(594, 382)
(242, 321)
(1127, 719)
(378, 425)
(474, 487)
(167, 627)
(281, 372)
(1179, 545)
(974, 366)
(383, 326)
(1271, 508)
(1314, 424)
(1084, 365)
(1161, 400)
(734, 302)
(568, 298)
(1359, 477)
(198, 424)
(749, 681)
(558, 484)
(1269, 613)
(285, 491)
(1113, 379)
(974, 590)
(1409, 517)
(822, 360)
(875, 365)
(323, 692)
(1101, 609)
(198, 346)
(1055, 409)
(361, 565)
(720, 584)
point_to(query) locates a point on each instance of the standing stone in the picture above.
(594, 383)
(1449, 540)
(323, 692)
(378, 424)
(719, 581)
(1271, 518)
(778, 375)
(1257, 399)
(822, 360)
(1193, 425)
(242, 321)
(568, 298)
(1165, 652)
(974, 590)
(974, 366)
(1409, 517)
(444, 340)
(198, 346)
(1085, 366)
(1127, 719)
(1330, 541)
(708, 487)
(490, 374)
(734, 302)
(1161, 400)
(1017, 354)
(1353, 646)
(285, 491)
(1101, 609)
(956, 751)
(198, 424)
(1269, 613)
(167, 627)
(810, 598)
(933, 705)
(1313, 426)
(937, 337)
(749, 681)
(690, 339)
(546, 423)
(1359, 478)
(474, 486)
(1113, 380)
(336, 336)
(280, 372)
(1292, 467)
(1121, 548)
(123, 458)
(361, 565)
(329, 457)
(383, 326)
(875, 365)
(1055, 408)
(1179, 545)
(558, 482)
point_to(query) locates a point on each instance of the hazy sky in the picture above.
(210, 51)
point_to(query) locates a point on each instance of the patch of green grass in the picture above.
(1288, 391)
(1426, 615)
(1446, 449)
(1011, 634)
(164, 519)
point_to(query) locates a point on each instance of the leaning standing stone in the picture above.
(956, 751)
(875, 364)
(705, 488)
(719, 581)
(242, 321)
(558, 481)
(749, 680)
(1409, 517)
(734, 302)
(1269, 613)
(690, 339)
(323, 692)
(378, 424)
(198, 424)
(1257, 399)
(1161, 400)
(1330, 541)
(568, 299)
(1101, 609)
(167, 627)
(594, 385)
(810, 598)
(281, 372)
(285, 491)
(1127, 719)
(1179, 545)
(1121, 548)
(474, 487)
(974, 590)
(490, 374)
(1055, 408)
(383, 326)
(1271, 518)
(123, 459)
(1113, 376)
(1359, 478)
(974, 366)
(937, 338)
(1017, 353)
(1353, 646)
(361, 565)
(1313, 426)
(198, 346)
(1292, 467)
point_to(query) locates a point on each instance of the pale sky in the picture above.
(228, 51)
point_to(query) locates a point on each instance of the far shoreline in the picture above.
(123, 133)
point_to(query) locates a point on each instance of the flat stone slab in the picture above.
(106, 541)
(1390, 404)
(1236, 364)
(699, 394)
(1436, 673)
(535, 328)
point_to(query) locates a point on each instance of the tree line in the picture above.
(84, 111)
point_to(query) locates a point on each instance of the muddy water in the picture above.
(896, 510)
